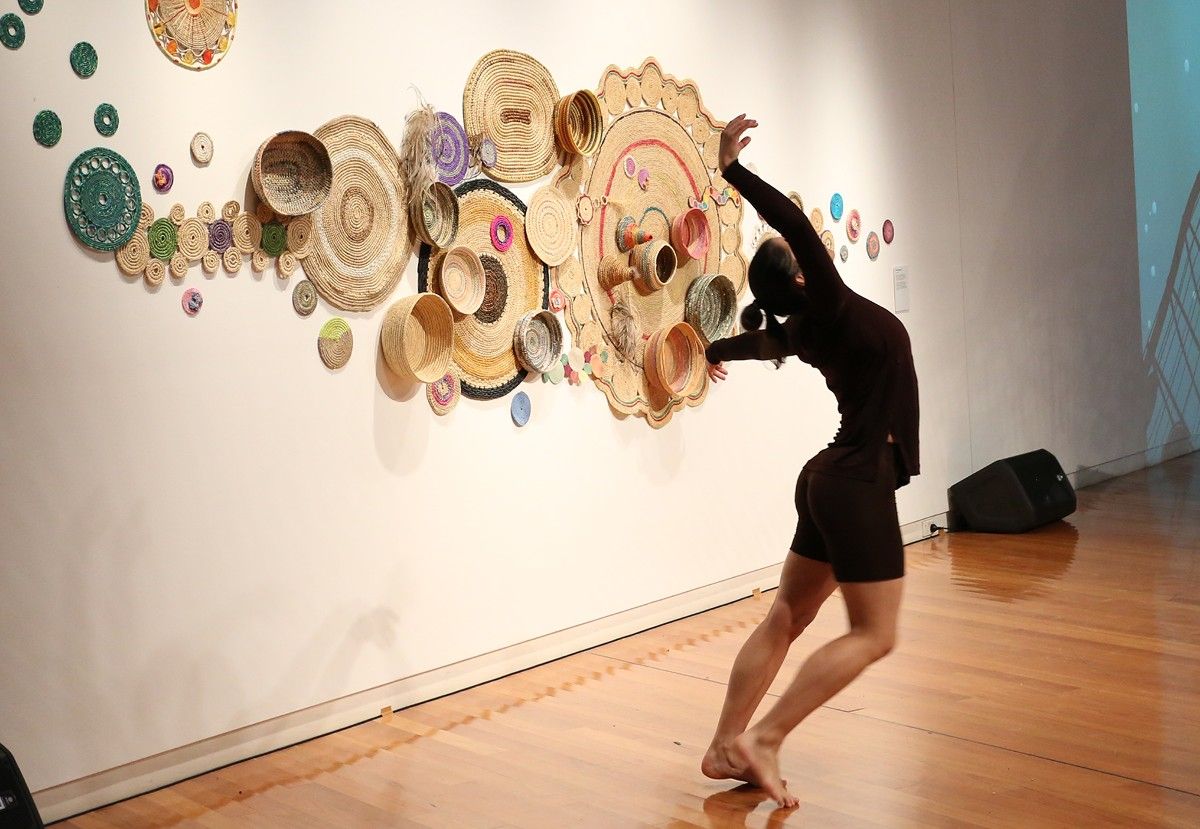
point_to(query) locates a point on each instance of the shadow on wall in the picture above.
(1173, 349)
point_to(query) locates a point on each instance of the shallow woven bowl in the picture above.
(655, 263)
(437, 221)
(538, 364)
(674, 360)
(462, 280)
(689, 234)
(418, 337)
(292, 173)
(710, 306)
(579, 123)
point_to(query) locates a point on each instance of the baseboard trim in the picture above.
(132, 779)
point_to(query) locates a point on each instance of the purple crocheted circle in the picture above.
(220, 235)
(163, 178)
(450, 151)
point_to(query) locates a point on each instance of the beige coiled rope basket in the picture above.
(674, 360)
(292, 173)
(418, 337)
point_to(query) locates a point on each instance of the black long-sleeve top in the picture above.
(862, 349)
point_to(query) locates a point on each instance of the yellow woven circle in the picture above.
(211, 261)
(285, 265)
(206, 212)
(179, 266)
(154, 272)
(300, 236)
(192, 239)
(232, 259)
(146, 218)
(247, 233)
(509, 97)
(230, 211)
(133, 257)
(177, 214)
(550, 225)
(259, 261)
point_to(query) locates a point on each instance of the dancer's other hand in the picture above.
(734, 140)
(717, 372)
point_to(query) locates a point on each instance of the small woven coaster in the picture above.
(106, 120)
(84, 59)
(47, 128)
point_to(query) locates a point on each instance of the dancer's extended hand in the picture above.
(717, 372)
(732, 140)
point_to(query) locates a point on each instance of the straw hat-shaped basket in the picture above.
(292, 173)
(710, 306)
(418, 337)
(655, 264)
(436, 223)
(689, 234)
(462, 280)
(579, 123)
(538, 341)
(674, 360)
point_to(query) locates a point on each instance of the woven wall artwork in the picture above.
(194, 34)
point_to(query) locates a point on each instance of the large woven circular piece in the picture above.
(292, 173)
(509, 98)
(515, 283)
(451, 154)
(304, 298)
(710, 306)
(361, 241)
(102, 199)
(194, 34)
(538, 341)
(335, 343)
(550, 226)
(418, 337)
(462, 280)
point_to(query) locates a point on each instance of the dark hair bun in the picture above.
(752, 317)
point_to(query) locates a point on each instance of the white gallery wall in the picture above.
(203, 528)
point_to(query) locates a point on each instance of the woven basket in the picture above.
(710, 306)
(615, 269)
(550, 226)
(292, 173)
(509, 98)
(462, 281)
(674, 360)
(436, 223)
(689, 234)
(538, 341)
(579, 123)
(418, 337)
(655, 263)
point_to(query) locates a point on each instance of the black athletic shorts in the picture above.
(851, 524)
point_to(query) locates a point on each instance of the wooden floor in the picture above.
(1048, 679)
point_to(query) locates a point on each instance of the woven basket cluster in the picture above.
(579, 123)
(418, 337)
(538, 341)
(292, 173)
(674, 360)
(710, 306)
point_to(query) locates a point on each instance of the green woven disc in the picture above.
(274, 238)
(162, 238)
(102, 199)
(30, 6)
(84, 59)
(12, 31)
(47, 128)
(106, 119)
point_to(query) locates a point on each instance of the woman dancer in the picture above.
(848, 533)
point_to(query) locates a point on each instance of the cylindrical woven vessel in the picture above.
(655, 264)
(418, 337)
(437, 222)
(550, 226)
(538, 341)
(710, 306)
(292, 173)
(689, 234)
(615, 269)
(579, 123)
(674, 360)
(462, 281)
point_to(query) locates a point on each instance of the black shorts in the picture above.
(851, 524)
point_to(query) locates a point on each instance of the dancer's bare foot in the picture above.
(718, 765)
(761, 760)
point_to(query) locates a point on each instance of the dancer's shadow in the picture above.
(732, 807)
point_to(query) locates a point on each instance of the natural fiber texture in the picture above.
(164, 178)
(134, 255)
(300, 236)
(12, 31)
(435, 216)
(461, 280)
(145, 216)
(191, 301)
(361, 240)
(711, 306)
(162, 236)
(179, 266)
(872, 246)
(102, 199)
(292, 173)
(579, 123)
(509, 98)
(674, 360)
(194, 34)
(232, 260)
(630, 234)
(521, 408)
(444, 394)
(304, 298)
(259, 261)
(84, 59)
(264, 213)
(202, 148)
(417, 166)
(247, 233)
(615, 270)
(30, 6)
(689, 235)
(211, 261)
(538, 341)
(47, 128)
(501, 233)
(206, 212)
(516, 283)
(177, 214)
(625, 331)
(335, 343)
(817, 219)
(106, 120)
(220, 236)
(655, 263)
(550, 226)
(274, 238)
(230, 211)
(154, 272)
(193, 239)
(418, 337)
(285, 265)
(450, 151)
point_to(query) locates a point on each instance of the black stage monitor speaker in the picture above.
(17, 809)
(1013, 495)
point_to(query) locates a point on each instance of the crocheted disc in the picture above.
(106, 120)
(47, 128)
(102, 199)
(84, 59)
(12, 31)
